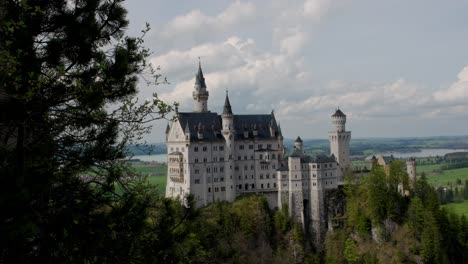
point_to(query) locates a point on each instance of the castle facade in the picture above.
(217, 157)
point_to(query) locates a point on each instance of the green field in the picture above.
(429, 168)
(448, 177)
(150, 169)
(160, 181)
(458, 208)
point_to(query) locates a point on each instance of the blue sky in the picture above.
(396, 68)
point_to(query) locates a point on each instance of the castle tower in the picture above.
(200, 95)
(339, 142)
(296, 198)
(229, 134)
(411, 170)
(298, 144)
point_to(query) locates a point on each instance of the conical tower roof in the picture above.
(199, 79)
(227, 110)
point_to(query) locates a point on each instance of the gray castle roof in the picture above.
(388, 159)
(210, 124)
(199, 79)
(295, 153)
(338, 113)
(227, 110)
(298, 139)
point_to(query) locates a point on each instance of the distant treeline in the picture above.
(369, 146)
(147, 149)
(358, 146)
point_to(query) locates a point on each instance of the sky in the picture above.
(396, 68)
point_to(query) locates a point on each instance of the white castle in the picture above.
(219, 157)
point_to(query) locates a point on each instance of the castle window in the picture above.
(246, 167)
(221, 169)
(261, 156)
(246, 186)
(245, 177)
(260, 146)
(313, 166)
(215, 169)
(172, 149)
(238, 157)
(261, 176)
(274, 185)
(273, 156)
(196, 160)
(204, 148)
(223, 189)
(239, 177)
(251, 146)
(245, 157)
(197, 181)
(241, 146)
(268, 146)
(331, 174)
(204, 159)
(240, 186)
(326, 174)
(314, 175)
(251, 167)
(273, 175)
(325, 165)
(261, 185)
(221, 158)
(216, 189)
(314, 184)
(221, 148)
(222, 179)
(215, 179)
(251, 157)
(215, 148)
(253, 186)
(268, 176)
(208, 169)
(195, 149)
(197, 171)
(318, 166)
(252, 176)
(268, 185)
(209, 189)
(236, 168)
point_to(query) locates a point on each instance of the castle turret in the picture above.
(298, 144)
(229, 134)
(411, 170)
(200, 95)
(339, 142)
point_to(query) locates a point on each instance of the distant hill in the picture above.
(148, 149)
(359, 146)
(368, 146)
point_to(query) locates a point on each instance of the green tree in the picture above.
(68, 81)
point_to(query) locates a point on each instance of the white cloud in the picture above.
(457, 92)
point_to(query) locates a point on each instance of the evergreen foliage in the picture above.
(383, 225)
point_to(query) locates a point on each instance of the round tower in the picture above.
(229, 135)
(339, 142)
(339, 121)
(411, 169)
(298, 144)
(200, 94)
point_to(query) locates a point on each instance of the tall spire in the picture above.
(200, 94)
(199, 79)
(227, 106)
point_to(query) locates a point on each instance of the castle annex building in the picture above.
(217, 157)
